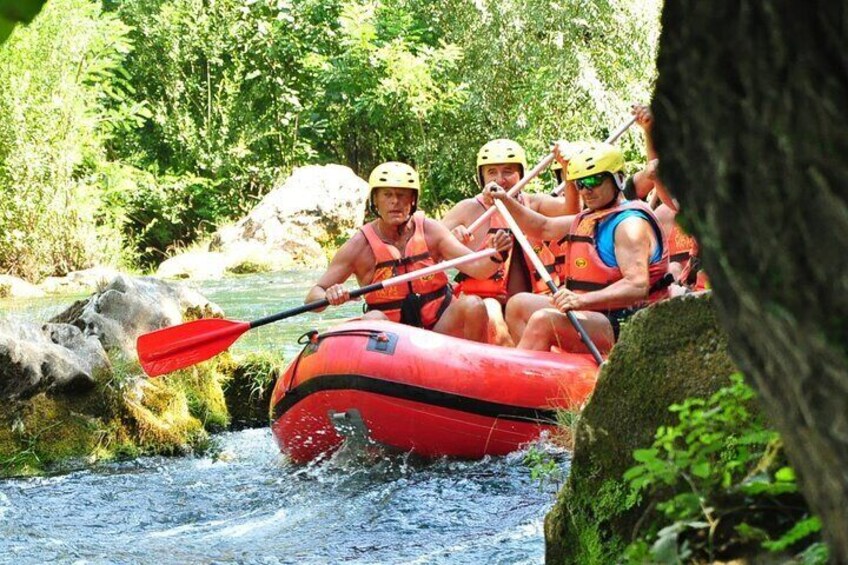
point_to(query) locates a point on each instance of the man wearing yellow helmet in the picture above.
(616, 258)
(502, 163)
(399, 241)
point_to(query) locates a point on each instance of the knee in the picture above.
(374, 315)
(518, 306)
(471, 305)
(541, 322)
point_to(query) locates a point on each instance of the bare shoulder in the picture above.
(546, 204)
(463, 213)
(434, 231)
(354, 251)
(633, 229)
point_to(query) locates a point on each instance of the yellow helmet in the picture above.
(393, 174)
(500, 152)
(595, 158)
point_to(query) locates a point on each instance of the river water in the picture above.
(244, 503)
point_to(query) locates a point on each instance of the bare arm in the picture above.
(665, 195)
(573, 205)
(645, 119)
(341, 268)
(448, 247)
(552, 206)
(634, 241)
(463, 214)
(532, 223)
(643, 183)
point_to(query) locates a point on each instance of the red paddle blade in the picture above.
(178, 347)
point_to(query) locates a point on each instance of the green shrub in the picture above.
(720, 485)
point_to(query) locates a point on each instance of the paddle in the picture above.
(181, 346)
(543, 272)
(611, 139)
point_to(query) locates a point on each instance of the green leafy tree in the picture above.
(14, 11)
(54, 82)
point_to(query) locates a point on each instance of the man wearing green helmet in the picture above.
(616, 258)
(399, 241)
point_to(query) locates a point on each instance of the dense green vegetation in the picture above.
(130, 127)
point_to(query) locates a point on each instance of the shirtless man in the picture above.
(401, 240)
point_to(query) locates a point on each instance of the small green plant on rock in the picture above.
(718, 487)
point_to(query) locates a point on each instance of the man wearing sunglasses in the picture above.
(616, 258)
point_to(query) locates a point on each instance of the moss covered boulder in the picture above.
(72, 391)
(669, 352)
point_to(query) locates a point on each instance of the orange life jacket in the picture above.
(584, 271)
(681, 245)
(434, 292)
(683, 249)
(496, 285)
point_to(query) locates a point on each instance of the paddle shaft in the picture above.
(543, 272)
(394, 281)
(613, 137)
(534, 172)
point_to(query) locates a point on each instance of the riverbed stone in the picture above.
(13, 287)
(195, 265)
(128, 307)
(80, 282)
(71, 389)
(668, 352)
(31, 362)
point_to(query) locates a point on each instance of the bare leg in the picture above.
(550, 327)
(497, 332)
(465, 317)
(519, 309)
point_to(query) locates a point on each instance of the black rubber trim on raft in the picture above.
(414, 393)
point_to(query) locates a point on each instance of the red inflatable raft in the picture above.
(416, 390)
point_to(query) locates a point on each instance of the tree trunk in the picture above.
(751, 111)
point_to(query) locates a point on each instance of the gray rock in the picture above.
(315, 204)
(66, 354)
(13, 287)
(31, 362)
(129, 307)
(79, 282)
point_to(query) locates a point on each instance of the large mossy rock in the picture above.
(72, 389)
(669, 352)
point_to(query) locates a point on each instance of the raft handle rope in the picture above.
(312, 337)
